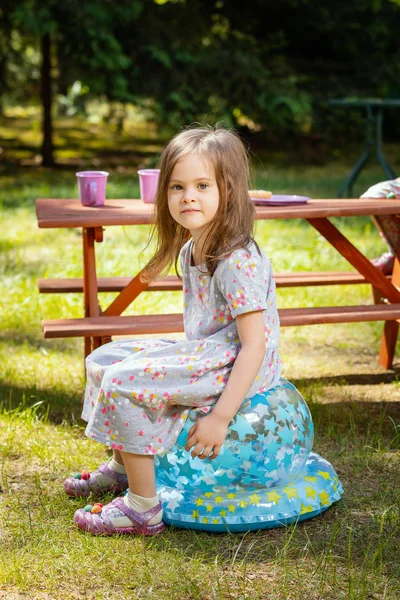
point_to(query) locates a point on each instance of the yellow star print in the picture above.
(305, 509)
(205, 520)
(231, 495)
(231, 508)
(309, 478)
(218, 499)
(209, 508)
(223, 513)
(199, 502)
(255, 499)
(242, 504)
(208, 494)
(195, 514)
(310, 492)
(215, 521)
(324, 497)
(290, 492)
(324, 474)
(273, 497)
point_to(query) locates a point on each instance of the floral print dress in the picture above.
(139, 392)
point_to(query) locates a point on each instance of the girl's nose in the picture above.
(188, 196)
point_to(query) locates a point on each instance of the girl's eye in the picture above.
(203, 186)
(176, 187)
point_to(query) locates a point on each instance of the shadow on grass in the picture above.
(358, 422)
(57, 405)
(353, 378)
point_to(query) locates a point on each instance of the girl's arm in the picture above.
(208, 434)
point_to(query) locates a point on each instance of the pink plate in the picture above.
(277, 200)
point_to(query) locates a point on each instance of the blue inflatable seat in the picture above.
(265, 475)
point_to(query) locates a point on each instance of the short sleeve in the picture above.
(184, 257)
(244, 279)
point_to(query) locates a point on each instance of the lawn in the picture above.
(353, 551)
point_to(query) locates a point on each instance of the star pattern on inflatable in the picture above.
(266, 474)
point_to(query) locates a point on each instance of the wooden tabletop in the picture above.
(56, 212)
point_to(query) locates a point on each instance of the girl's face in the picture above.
(193, 195)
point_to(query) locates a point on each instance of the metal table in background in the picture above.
(374, 108)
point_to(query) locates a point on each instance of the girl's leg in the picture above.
(140, 472)
(138, 512)
(142, 494)
(117, 457)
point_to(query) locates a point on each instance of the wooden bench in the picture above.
(171, 283)
(172, 323)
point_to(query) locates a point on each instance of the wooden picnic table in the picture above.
(98, 325)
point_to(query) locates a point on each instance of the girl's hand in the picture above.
(207, 436)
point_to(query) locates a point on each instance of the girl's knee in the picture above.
(106, 355)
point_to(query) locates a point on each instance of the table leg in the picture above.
(391, 328)
(126, 297)
(373, 275)
(91, 304)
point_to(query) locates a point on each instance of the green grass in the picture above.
(351, 552)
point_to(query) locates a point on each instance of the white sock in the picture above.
(116, 466)
(104, 480)
(139, 504)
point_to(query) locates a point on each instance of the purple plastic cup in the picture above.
(92, 187)
(148, 180)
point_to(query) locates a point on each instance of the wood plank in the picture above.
(56, 212)
(105, 284)
(338, 314)
(172, 283)
(145, 324)
(101, 326)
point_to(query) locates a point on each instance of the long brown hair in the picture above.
(232, 227)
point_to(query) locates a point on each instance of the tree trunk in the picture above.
(46, 96)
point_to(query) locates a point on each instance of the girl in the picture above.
(138, 393)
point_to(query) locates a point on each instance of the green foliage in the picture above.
(269, 66)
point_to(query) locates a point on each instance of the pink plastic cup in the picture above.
(148, 181)
(92, 187)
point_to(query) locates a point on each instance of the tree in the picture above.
(267, 65)
(82, 36)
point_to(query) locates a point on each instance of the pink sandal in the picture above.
(83, 484)
(97, 519)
